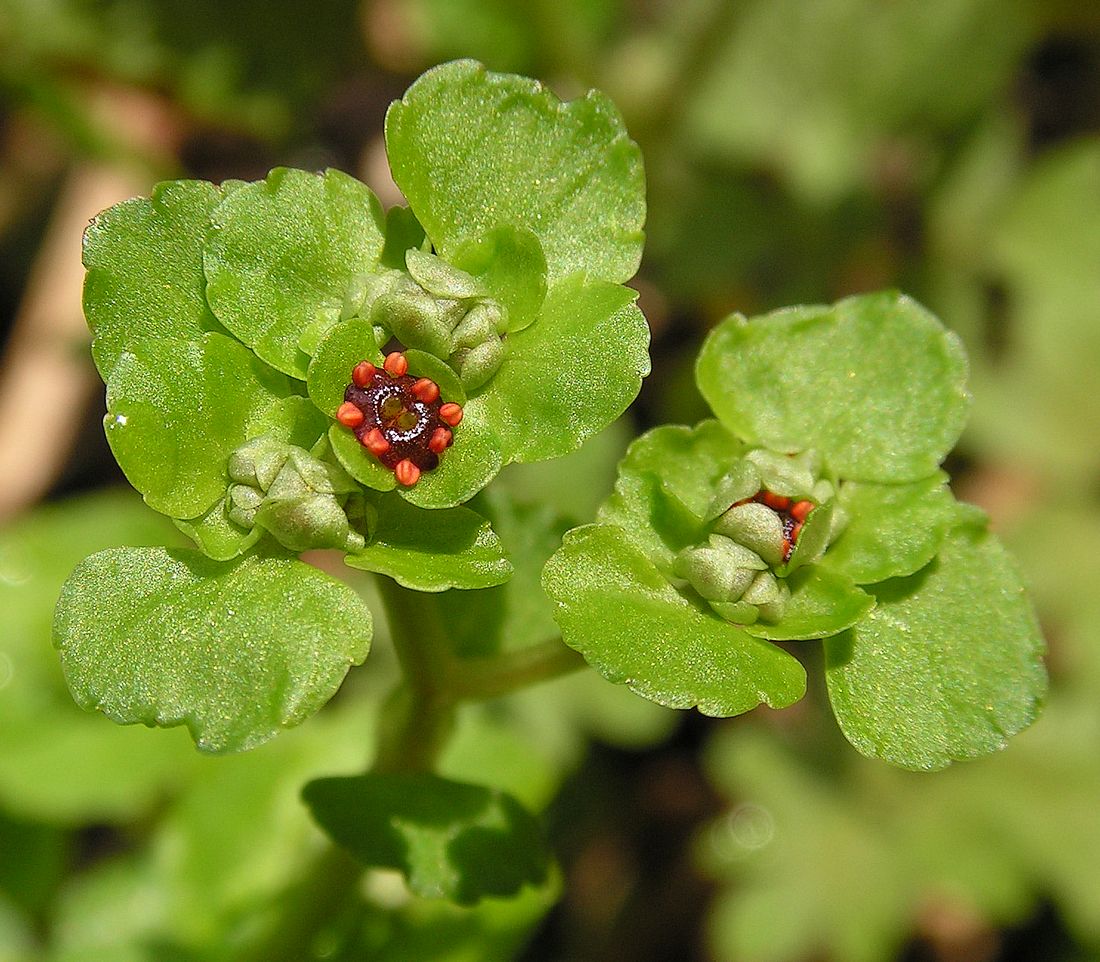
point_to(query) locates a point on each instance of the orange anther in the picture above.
(786, 548)
(426, 390)
(801, 509)
(440, 441)
(406, 473)
(451, 414)
(776, 502)
(794, 532)
(349, 415)
(362, 374)
(375, 442)
(396, 364)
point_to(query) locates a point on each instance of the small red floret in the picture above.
(800, 510)
(406, 473)
(396, 364)
(426, 389)
(451, 413)
(786, 547)
(795, 531)
(363, 373)
(349, 415)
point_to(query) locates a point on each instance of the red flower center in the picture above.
(398, 418)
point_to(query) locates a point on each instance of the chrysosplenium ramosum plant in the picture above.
(812, 507)
(289, 368)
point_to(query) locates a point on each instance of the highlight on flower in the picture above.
(401, 419)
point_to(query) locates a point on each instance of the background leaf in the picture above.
(433, 550)
(236, 651)
(145, 276)
(632, 626)
(874, 384)
(947, 666)
(58, 764)
(282, 255)
(451, 840)
(512, 154)
(177, 409)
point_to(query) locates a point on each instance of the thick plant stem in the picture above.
(479, 678)
(420, 714)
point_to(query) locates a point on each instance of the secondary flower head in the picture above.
(811, 507)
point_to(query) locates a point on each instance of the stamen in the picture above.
(801, 509)
(396, 364)
(440, 441)
(349, 415)
(406, 473)
(363, 373)
(375, 442)
(451, 413)
(426, 389)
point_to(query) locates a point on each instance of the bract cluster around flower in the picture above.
(227, 315)
(813, 507)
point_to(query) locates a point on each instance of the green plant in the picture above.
(290, 368)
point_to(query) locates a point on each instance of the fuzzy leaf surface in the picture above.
(874, 383)
(947, 666)
(177, 409)
(282, 254)
(450, 839)
(235, 651)
(569, 374)
(144, 269)
(433, 550)
(822, 603)
(619, 611)
(893, 529)
(511, 154)
(666, 483)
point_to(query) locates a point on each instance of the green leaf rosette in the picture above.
(813, 507)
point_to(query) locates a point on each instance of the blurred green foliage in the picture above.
(795, 152)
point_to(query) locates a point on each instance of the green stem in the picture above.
(489, 677)
(420, 714)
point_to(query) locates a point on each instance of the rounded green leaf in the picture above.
(874, 383)
(947, 666)
(666, 483)
(569, 374)
(630, 623)
(345, 345)
(433, 550)
(145, 275)
(358, 461)
(473, 150)
(893, 529)
(509, 262)
(464, 468)
(282, 254)
(822, 603)
(449, 839)
(235, 651)
(177, 409)
(216, 535)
